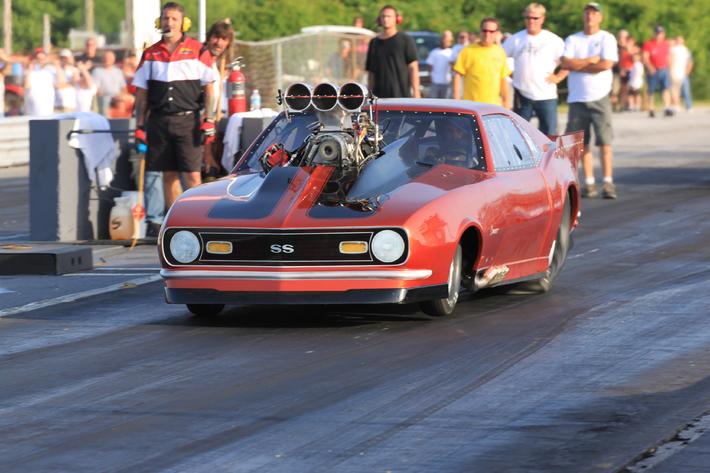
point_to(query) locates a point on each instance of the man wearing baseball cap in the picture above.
(589, 56)
(656, 57)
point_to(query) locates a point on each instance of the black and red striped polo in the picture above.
(174, 81)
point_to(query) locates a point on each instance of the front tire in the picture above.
(205, 310)
(446, 305)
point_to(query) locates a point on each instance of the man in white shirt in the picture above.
(536, 53)
(681, 64)
(440, 61)
(589, 56)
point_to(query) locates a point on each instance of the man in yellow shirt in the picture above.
(484, 68)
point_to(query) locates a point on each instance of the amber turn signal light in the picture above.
(219, 247)
(353, 247)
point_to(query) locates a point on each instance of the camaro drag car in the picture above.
(345, 198)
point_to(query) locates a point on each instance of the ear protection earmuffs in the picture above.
(398, 17)
(186, 23)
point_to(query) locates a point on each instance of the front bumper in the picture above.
(355, 296)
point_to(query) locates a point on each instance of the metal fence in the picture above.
(320, 53)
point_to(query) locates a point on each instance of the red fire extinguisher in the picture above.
(235, 88)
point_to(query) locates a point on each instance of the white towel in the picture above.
(232, 135)
(99, 149)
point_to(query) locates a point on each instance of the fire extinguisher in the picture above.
(236, 92)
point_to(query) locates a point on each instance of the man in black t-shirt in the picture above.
(391, 64)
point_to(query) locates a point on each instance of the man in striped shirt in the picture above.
(171, 83)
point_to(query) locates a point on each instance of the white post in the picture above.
(7, 22)
(46, 34)
(203, 20)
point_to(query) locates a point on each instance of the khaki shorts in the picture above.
(597, 114)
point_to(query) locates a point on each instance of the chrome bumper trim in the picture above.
(407, 275)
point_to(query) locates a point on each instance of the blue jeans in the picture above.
(154, 198)
(439, 91)
(686, 94)
(659, 81)
(545, 110)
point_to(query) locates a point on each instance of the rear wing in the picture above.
(570, 146)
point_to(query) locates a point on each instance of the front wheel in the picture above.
(446, 305)
(205, 310)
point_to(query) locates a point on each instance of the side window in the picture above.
(510, 150)
(536, 150)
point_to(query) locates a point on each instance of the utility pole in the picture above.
(7, 28)
(89, 14)
(130, 26)
(203, 20)
(46, 34)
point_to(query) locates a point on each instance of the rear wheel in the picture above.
(205, 310)
(558, 254)
(446, 305)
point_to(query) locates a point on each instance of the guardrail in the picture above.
(14, 141)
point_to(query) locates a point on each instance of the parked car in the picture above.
(425, 41)
(409, 203)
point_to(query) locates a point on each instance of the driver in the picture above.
(454, 143)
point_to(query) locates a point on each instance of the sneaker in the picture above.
(152, 230)
(652, 114)
(590, 191)
(609, 190)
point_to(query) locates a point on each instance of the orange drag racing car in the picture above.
(344, 198)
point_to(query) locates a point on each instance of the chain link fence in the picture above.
(319, 53)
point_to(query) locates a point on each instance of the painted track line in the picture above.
(79, 295)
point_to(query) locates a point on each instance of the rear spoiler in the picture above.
(569, 146)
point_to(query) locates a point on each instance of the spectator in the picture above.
(3, 66)
(484, 69)
(681, 65)
(391, 62)
(39, 85)
(461, 42)
(440, 60)
(358, 22)
(67, 76)
(341, 66)
(217, 46)
(170, 88)
(656, 56)
(109, 81)
(626, 63)
(537, 54)
(88, 57)
(635, 83)
(589, 56)
(85, 88)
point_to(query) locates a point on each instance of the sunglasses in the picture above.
(533, 18)
(489, 31)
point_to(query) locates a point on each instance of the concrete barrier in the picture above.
(14, 141)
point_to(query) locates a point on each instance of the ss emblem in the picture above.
(282, 248)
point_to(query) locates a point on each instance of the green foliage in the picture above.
(265, 19)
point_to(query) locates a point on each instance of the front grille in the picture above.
(283, 247)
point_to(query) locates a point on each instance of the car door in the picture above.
(520, 213)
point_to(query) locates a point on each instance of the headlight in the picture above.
(185, 246)
(388, 246)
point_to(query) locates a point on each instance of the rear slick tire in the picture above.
(205, 310)
(561, 247)
(445, 306)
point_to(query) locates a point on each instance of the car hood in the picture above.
(305, 197)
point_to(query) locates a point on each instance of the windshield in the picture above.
(424, 137)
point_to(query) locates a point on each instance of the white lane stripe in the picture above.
(13, 237)
(79, 295)
(102, 274)
(118, 268)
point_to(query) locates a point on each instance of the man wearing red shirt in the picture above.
(656, 55)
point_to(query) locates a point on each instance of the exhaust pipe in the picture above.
(298, 97)
(325, 97)
(352, 96)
